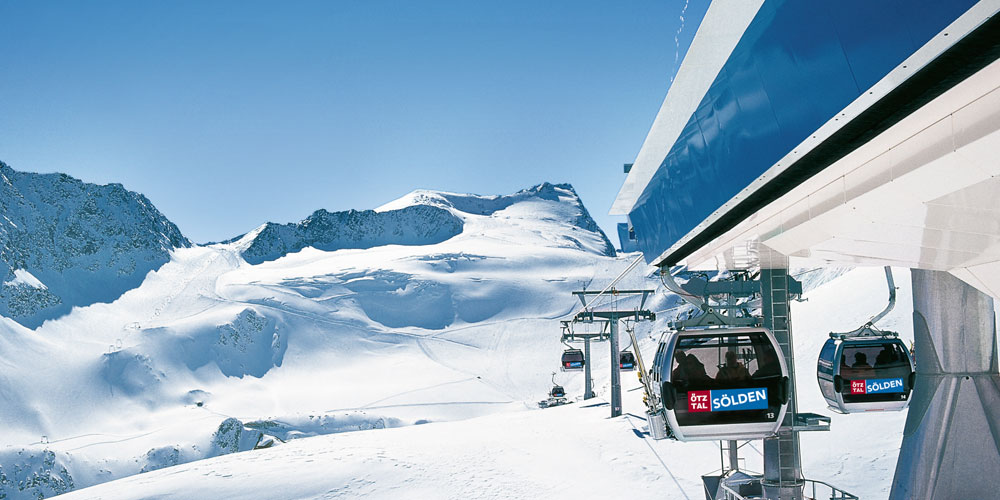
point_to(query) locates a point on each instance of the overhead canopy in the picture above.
(720, 31)
(865, 137)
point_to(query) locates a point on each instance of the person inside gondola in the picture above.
(680, 361)
(860, 361)
(886, 357)
(767, 364)
(696, 369)
(733, 370)
(689, 368)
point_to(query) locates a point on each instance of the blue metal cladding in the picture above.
(798, 64)
(626, 238)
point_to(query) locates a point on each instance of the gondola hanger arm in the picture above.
(869, 329)
(892, 297)
(675, 287)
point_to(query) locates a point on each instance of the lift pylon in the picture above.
(569, 334)
(613, 316)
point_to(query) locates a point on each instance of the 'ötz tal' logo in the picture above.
(698, 401)
(877, 386)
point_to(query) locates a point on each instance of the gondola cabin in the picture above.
(626, 361)
(722, 383)
(557, 392)
(867, 373)
(572, 359)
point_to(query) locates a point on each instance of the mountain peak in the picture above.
(425, 217)
(564, 204)
(84, 243)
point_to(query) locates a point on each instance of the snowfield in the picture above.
(315, 342)
(573, 451)
(404, 370)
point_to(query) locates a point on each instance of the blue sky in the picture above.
(230, 114)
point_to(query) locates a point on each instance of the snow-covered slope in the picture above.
(66, 243)
(212, 354)
(414, 365)
(574, 451)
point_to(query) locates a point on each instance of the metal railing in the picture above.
(835, 493)
(809, 485)
(731, 494)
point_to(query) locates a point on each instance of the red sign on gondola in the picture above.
(698, 401)
(858, 387)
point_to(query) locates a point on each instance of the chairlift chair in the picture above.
(572, 360)
(722, 383)
(868, 370)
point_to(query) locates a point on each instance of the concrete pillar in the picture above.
(782, 463)
(951, 441)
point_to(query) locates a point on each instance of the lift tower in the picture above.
(613, 316)
(571, 335)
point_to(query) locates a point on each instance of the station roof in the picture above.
(904, 174)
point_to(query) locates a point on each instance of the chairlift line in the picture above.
(612, 284)
(574, 359)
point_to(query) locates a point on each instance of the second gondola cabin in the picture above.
(572, 360)
(626, 361)
(871, 372)
(722, 383)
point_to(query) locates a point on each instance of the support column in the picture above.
(951, 441)
(782, 465)
(616, 379)
(588, 389)
(734, 455)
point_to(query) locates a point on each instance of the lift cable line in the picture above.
(612, 284)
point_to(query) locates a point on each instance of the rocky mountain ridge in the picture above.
(66, 243)
(423, 217)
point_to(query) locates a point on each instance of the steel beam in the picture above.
(782, 463)
(616, 375)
